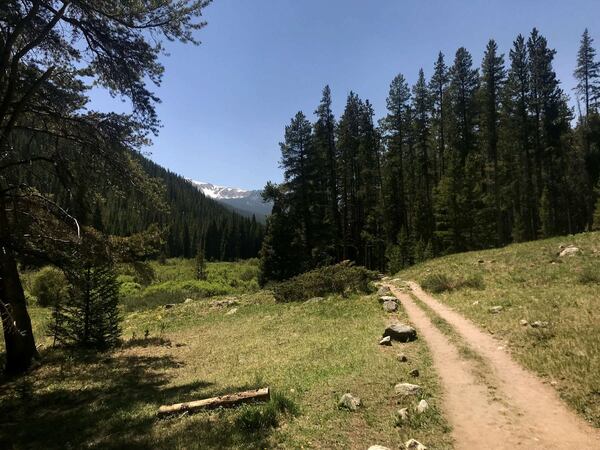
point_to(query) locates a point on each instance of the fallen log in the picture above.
(224, 401)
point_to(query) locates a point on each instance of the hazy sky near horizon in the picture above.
(226, 102)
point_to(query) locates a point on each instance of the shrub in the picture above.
(49, 286)
(260, 418)
(343, 278)
(439, 282)
(590, 275)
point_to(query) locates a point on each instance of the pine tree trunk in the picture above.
(18, 335)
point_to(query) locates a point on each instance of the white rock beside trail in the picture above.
(378, 447)
(413, 444)
(496, 309)
(406, 389)
(402, 415)
(349, 402)
(387, 298)
(422, 406)
(386, 341)
(570, 250)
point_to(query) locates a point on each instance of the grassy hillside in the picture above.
(309, 353)
(531, 282)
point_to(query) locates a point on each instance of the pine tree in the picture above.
(200, 264)
(587, 75)
(325, 146)
(438, 85)
(395, 127)
(348, 135)
(90, 315)
(298, 162)
(492, 80)
(457, 193)
(424, 224)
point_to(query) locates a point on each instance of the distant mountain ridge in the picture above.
(246, 202)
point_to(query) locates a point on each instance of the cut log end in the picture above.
(223, 401)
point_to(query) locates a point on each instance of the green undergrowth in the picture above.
(308, 353)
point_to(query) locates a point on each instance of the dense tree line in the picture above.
(191, 220)
(471, 158)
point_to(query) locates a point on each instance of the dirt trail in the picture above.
(523, 413)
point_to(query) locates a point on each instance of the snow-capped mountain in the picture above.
(246, 202)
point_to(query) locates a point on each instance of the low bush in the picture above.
(438, 282)
(173, 292)
(255, 419)
(343, 278)
(49, 286)
(590, 275)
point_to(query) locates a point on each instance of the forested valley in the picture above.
(469, 158)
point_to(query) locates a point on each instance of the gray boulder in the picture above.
(384, 290)
(401, 332)
(496, 309)
(539, 324)
(407, 389)
(349, 402)
(390, 306)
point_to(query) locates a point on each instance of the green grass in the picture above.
(531, 282)
(309, 353)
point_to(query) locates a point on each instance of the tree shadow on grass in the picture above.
(109, 401)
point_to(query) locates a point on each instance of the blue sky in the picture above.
(225, 103)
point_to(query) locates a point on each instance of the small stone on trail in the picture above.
(188, 300)
(422, 406)
(231, 311)
(389, 306)
(348, 401)
(571, 250)
(414, 373)
(523, 322)
(402, 357)
(496, 309)
(405, 389)
(401, 332)
(539, 324)
(378, 447)
(413, 444)
(386, 341)
(169, 305)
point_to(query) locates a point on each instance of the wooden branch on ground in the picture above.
(223, 401)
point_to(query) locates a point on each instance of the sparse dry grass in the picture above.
(531, 282)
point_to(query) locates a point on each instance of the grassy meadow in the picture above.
(531, 282)
(310, 353)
